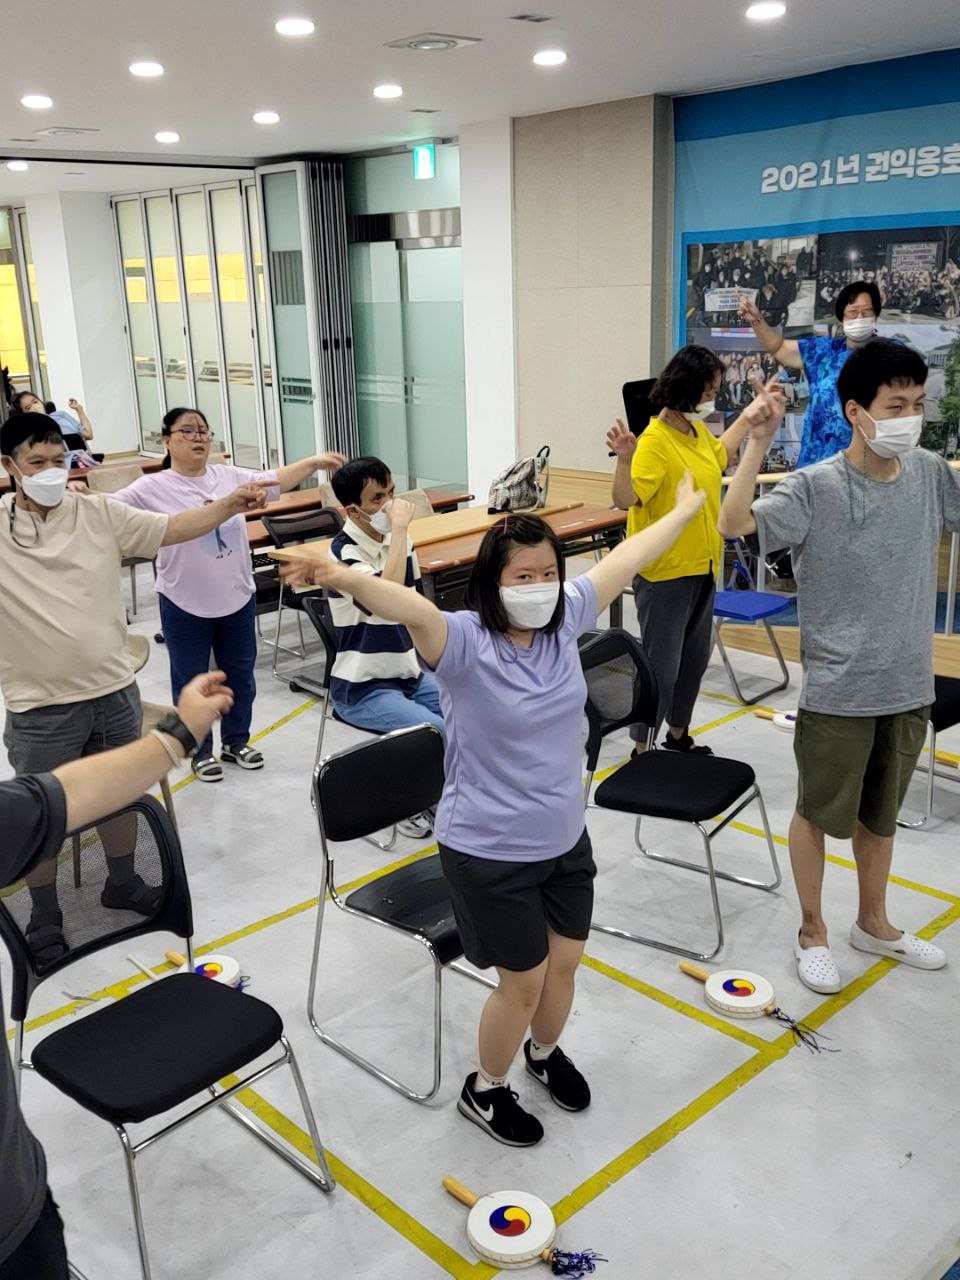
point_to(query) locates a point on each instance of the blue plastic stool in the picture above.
(751, 606)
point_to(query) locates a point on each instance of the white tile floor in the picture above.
(703, 1154)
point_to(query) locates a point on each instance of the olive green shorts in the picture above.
(856, 768)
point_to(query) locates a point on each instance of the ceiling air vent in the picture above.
(433, 42)
(530, 17)
(63, 131)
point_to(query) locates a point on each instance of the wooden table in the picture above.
(584, 529)
(300, 500)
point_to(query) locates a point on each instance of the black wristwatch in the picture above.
(172, 724)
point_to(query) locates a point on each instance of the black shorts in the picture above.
(503, 908)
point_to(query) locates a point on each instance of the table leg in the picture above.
(952, 584)
(616, 611)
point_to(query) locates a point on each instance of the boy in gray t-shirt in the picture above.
(864, 531)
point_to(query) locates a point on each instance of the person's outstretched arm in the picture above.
(769, 405)
(95, 786)
(616, 571)
(184, 526)
(736, 515)
(389, 600)
(786, 350)
(622, 442)
(290, 476)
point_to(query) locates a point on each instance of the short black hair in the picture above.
(881, 362)
(499, 544)
(851, 291)
(683, 381)
(28, 429)
(349, 481)
(172, 417)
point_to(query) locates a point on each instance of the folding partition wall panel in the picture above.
(328, 225)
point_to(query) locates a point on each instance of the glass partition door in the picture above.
(140, 330)
(201, 311)
(164, 259)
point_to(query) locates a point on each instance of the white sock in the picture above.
(485, 1081)
(540, 1052)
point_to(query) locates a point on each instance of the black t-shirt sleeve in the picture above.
(33, 820)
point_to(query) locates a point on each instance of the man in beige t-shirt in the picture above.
(65, 673)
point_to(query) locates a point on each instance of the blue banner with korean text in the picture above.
(787, 191)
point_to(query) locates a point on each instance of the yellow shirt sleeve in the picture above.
(648, 469)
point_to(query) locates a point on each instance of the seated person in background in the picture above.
(376, 681)
(77, 431)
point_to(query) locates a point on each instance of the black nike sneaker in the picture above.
(557, 1073)
(498, 1113)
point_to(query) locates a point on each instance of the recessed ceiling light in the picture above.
(388, 91)
(36, 101)
(550, 58)
(75, 173)
(18, 166)
(766, 11)
(167, 135)
(146, 69)
(266, 117)
(295, 27)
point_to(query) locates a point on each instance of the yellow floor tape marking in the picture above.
(702, 1016)
(835, 858)
(658, 1137)
(277, 724)
(386, 1209)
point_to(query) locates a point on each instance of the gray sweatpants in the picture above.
(676, 629)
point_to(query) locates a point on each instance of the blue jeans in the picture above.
(233, 640)
(383, 710)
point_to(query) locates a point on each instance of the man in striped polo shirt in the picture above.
(376, 681)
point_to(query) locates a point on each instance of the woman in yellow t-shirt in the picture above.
(674, 595)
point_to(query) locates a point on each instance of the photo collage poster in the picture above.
(794, 281)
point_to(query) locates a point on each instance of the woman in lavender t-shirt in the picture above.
(510, 823)
(206, 587)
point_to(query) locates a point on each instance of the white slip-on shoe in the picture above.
(817, 969)
(908, 948)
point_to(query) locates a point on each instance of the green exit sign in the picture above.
(425, 161)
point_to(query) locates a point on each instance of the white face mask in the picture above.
(380, 520)
(46, 488)
(895, 436)
(703, 410)
(861, 329)
(532, 605)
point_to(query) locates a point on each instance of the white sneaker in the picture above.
(817, 969)
(419, 827)
(908, 948)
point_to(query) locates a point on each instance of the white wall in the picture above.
(82, 312)
(486, 211)
(592, 262)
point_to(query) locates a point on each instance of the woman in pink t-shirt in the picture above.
(205, 587)
(515, 852)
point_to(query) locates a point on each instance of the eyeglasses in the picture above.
(192, 433)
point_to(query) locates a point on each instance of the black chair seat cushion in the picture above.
(416, 899)
(667, 784)
(158, 1047)
(946, 709)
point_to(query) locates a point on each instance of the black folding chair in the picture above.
(317, 608)
(165, 1043)
(622, 690)
(288, 531)
(361, 790)
(944, 715)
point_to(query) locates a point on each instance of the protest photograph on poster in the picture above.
(779, 275)
(917, 270)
